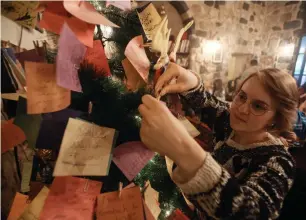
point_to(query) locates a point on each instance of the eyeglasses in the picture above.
(257, 107)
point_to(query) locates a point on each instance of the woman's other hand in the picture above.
(185, 80)
(163, 133)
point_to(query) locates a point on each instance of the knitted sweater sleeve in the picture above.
(214, 192)
(199, 98)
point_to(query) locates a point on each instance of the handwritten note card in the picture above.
(136, 54)
(84, 11)
(19, 205)
(128, 206)
(70, 54)
(85, 150)
(43, 94)
(134, 80)
(33, 211)
(149, 19)
(22, 12)
(11, 136)
(96, 56)
(71, 198)
(131, 157)
(151, 197)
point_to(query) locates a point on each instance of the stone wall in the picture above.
(244, 28)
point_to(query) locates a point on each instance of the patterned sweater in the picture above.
(235, 181)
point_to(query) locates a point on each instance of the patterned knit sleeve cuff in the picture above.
(206, 178)
(197, 88)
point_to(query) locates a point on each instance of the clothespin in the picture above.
(120, 189)
(146, 45)
(86, 185)
(147, 183)
(36, 46)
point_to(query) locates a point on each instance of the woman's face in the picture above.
(252, 109)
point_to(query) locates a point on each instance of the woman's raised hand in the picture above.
(175, 79)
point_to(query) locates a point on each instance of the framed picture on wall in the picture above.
(217, 56)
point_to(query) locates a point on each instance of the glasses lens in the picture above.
(239, 99)
(258, 108)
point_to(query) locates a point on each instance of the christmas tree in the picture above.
(115, 105)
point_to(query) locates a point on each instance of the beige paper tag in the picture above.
(85, 150)
(151, 197)
(149, 19)
(189, 127)
(32, 212)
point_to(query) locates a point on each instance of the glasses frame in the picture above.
(249, 102)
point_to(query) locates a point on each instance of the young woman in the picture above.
(250, 171)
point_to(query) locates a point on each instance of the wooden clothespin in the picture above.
(36, 46)
(120, 189)
(86, 185)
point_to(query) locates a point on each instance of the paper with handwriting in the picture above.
(70, 54)
(136, 54)
(127, 206)
(149, 19)
(151, 197)
(44, 95)
(97, 57)
(85, 150)
(33, 211)
(11, 136)
(71, 198)
(18, 206)
(85, 11)
(133, 79)
(131, 158)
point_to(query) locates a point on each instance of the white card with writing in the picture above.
(85, 150)
(149, 19)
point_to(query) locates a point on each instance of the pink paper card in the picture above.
(82, 30)
(71, 198)
(96, 56)
(123, 4)
(84, 11)
(131, 158)
(128, 205)
(19, 205)
(70, 54)
(11, 136)
(43, 94)
(136, 54)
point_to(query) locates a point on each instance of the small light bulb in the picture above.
(168, 213)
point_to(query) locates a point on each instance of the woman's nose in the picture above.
(244, 108)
